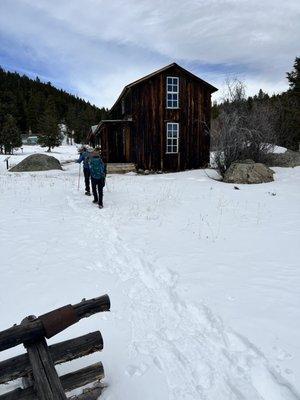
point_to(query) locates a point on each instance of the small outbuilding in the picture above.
(160, 122)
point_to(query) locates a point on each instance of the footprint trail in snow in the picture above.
(199, 357)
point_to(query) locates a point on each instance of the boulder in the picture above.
(37, 162)
(288, 159)
(247, 161)
(241, 172)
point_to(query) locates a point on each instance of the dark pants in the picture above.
(97, 188)
(87, 175)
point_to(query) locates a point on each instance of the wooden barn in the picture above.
(160, 122)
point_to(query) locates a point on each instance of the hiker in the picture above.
(98, 174)
(84, 158)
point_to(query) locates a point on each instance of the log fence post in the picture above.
(37, 366)
(45, 378)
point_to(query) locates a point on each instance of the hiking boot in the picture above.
(87, 193)
(100, 206)
(95, 201)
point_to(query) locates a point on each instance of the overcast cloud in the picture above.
(95, 47)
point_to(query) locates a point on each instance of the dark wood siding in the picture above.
(145, 104)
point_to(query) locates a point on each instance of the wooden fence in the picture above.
(36, 367)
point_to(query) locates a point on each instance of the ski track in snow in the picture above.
(199, 357)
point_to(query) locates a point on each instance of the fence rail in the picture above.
(36, 367)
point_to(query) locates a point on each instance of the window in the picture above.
(172, 92)
(172, 137)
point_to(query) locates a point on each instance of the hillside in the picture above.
(25, 99)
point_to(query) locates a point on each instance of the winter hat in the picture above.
(82, 149)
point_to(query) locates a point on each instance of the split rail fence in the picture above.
(36, 367)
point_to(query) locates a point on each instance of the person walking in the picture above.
(84, 158)
(98, 174)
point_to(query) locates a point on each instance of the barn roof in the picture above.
(111, 121)
(138, 81)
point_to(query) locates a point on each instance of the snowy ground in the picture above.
(203, 279)
(62, 153)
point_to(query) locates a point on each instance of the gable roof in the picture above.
(157, 72)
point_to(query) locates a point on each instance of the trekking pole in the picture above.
(79, 176)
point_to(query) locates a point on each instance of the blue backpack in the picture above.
(97, 167)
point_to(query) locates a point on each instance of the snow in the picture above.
(274, 150)
(279, 150)
(63, 153)
(203, 279)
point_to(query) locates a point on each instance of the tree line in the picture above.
(248, 127)
(28, 105)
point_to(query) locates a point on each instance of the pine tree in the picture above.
(10, 136)
(50, 135)
(70, 122)
(32, 114)
(294, 77)
(25, 99)
(261, 96)
(293, 105)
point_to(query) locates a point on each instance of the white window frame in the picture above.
(172, 90)
(172, 138)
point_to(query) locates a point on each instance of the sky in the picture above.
(93, 48)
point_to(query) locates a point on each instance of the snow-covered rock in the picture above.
(248, 172)
(288, 158)
(37, 162)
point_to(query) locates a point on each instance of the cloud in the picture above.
(95, 47)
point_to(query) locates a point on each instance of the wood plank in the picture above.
(50, 371)
(69, 382)
(34, 330)
(89, 394)
(20, 394)
(86, 308)
(19, 366)
(18, 334)
(82, 377)
(46, 381)
(162, 112)
(76, 348)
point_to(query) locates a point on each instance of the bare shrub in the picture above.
(241, 131)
